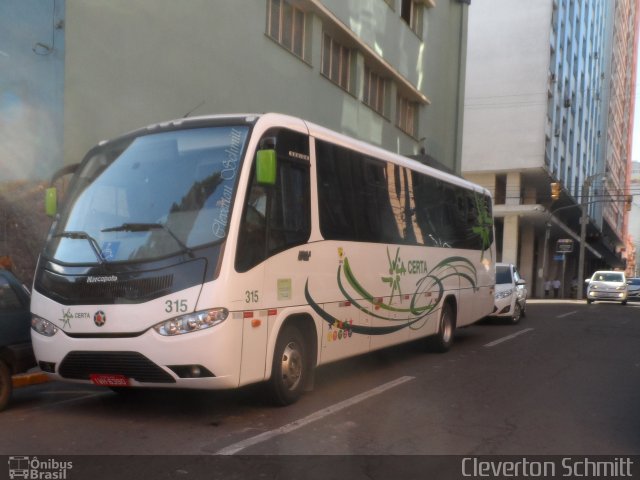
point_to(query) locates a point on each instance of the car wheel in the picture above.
(589, 302)
(624, 302)
(6, 385)
(517, 314)
(290, 367)
(441, 342)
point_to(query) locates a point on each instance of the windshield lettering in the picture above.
(224, 204)
(234, 151)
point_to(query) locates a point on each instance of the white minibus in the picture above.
(214, 252)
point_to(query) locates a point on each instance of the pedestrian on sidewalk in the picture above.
(556, 288)
(547, 288)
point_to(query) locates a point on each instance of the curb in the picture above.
(27, 379)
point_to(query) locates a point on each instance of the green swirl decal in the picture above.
(422, 302)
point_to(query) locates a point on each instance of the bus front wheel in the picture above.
(290, 367)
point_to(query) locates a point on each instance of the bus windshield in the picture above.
(150, 197)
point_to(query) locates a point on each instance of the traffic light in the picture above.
(628, 203)
(555, 190)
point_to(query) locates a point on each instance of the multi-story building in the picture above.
(547, 101)
(390, 72)
(31, 88)
(387, 71)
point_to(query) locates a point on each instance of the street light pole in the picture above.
(547, 234)
(584, 219)
(583, 235)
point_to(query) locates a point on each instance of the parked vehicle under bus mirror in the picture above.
(266, 167)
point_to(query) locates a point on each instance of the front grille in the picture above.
(137, 289)
(80, 365)
(68, 289)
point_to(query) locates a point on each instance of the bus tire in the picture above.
(6, 385)
(441, 342)
(290, 367)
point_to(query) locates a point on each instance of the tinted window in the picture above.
(365, 199)
(277, 217)
(354, 197)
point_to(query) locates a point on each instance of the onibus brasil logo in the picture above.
(401, 310)
(38, 469)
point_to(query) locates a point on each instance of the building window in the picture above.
(336, 62)
(374, 93)
(411, 13)
(407, 116)
(285, 24)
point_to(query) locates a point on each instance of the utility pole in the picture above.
(584, 218)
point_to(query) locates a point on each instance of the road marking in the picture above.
(290, 427)
(57, 403)
(566, 314)
(508, 337)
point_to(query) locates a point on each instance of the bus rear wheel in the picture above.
(441, 342)
(290, 367)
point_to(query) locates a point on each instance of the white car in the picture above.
(607, 285)
(511, 293)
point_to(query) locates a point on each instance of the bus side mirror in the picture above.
(51, 193)
(266, 167)
(51, 201)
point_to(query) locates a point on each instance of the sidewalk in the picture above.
(33, 377)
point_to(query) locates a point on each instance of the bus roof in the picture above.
(315, 131)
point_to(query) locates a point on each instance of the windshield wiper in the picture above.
(146, 227)
(77, 235)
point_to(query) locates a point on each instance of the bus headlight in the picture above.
(42, 326)
(192, 322)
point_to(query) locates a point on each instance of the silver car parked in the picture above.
(511, 293)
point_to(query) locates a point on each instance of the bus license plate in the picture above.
(109, 380)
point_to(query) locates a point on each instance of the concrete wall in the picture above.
(31, 88)
(506, 95)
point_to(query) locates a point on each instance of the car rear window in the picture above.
(503, 274)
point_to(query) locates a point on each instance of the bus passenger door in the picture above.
(273, 240)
